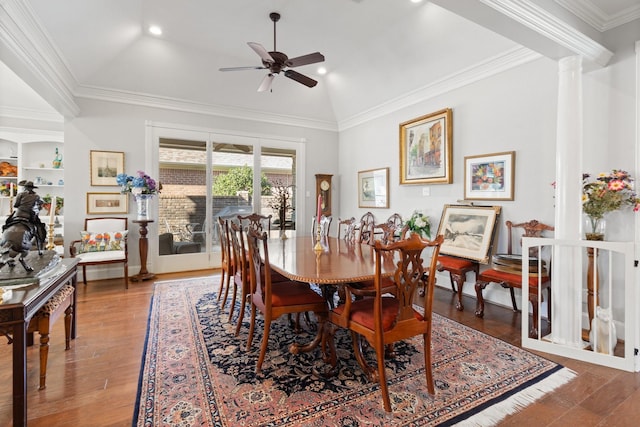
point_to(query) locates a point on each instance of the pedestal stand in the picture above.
(143, 244)
(593, 287)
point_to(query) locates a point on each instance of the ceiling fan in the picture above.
(276, 62)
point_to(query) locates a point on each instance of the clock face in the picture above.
(324, 185)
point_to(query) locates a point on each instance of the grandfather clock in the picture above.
(323, 186)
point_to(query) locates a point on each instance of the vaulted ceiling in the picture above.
(379, 53)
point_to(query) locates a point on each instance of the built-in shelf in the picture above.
(37, 168)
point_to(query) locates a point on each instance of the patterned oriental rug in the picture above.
(196, 372)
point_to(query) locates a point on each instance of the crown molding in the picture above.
(30, 114)
(596, 17)
(482, 70)
(24, 38)
(544, 23)
(167, 103)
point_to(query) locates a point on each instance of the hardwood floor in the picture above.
(95, 383)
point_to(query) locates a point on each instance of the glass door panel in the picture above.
(278, 166)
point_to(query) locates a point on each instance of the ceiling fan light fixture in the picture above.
(276, 62)
(322, 71)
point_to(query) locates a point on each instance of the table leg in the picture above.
(19, 374)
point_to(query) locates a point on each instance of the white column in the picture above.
(567, 267)
(637, 217)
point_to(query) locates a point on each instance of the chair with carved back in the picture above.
(103, 242)
(386, 318)
(256, 221)
(506, 270)
(366, 228)
(226, 261)
(274, 299)
(347, 229)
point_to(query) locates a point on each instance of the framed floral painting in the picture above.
(425, 149)
(489, 176)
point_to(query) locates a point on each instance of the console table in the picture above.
(15, 315)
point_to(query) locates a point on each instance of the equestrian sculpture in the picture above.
(22, 227)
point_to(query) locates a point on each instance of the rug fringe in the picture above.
(515, 403)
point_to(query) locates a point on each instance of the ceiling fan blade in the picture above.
(260, 50)
(311, 58)
(266, 83)
(300, 78)
(242, 68)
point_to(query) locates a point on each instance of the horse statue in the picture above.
(21, 228)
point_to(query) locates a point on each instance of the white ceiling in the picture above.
(377, 51)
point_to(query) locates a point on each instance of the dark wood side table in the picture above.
(15, 314)
(143, 244)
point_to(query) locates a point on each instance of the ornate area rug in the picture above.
(196, 372)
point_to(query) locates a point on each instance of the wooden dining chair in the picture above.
(273, 299)
(366, 228)
(347, 229)
(241, 272)
(256, 221)
(386, 318)
(506, 270)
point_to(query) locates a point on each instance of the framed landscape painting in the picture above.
(105, 167)
(373, 188)
(468, 231)
(107, 203)
(425, 149)
(489, 176)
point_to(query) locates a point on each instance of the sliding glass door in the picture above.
(206, 176)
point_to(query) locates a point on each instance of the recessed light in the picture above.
(155, 30)
(322, 71)
(416, 1)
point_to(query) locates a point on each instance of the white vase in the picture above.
(142, 206)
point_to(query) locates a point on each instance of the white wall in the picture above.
(515, 110)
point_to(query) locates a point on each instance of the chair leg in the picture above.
(222, 279)
(382, 379)
(513, 299)
(233, 300)
(458, 279)
(252, 326)
(265, 343)
(480, 285)
(244, 300)
(84, 274)
(428, 368)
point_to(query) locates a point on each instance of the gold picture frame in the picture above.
(468, 231)
(107, 203)
(490, 176)
(373, 188)
(426, 155)
(105, 167)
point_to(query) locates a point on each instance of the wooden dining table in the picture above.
(336, 263)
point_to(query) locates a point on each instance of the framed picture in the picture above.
(107, 203)
(105, 166)
(489, 176)
(373, 188)
(425, 149)
(468, 231)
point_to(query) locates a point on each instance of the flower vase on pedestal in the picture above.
(594, 227)
(142, 205)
